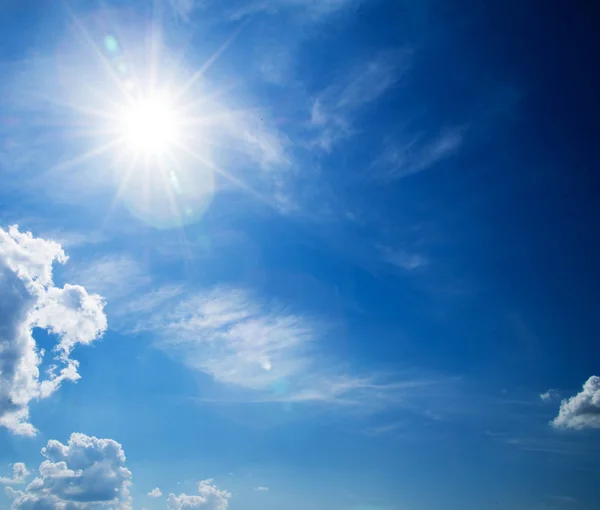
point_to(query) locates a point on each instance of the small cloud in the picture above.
(114, 276)
(261, 489)
(399, 160)
(564, 499)
(333, 110)
(402, 259)
(583, 410)
(183, 9)
(155, 493)
(549, 395)
(19, 474)
(312, 10)
(383, 429)
(209, 497)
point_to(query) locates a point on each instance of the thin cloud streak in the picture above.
(402, 259)
(398, 161)
(266, 351)
(333, 110)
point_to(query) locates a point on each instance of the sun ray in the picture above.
(86, 156)
(122, 186)
(160, 132)
(206, 66)
(206, 99)
(99, 55)
(224, 173)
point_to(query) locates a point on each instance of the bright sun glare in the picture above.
(150, 118)
(150, 125)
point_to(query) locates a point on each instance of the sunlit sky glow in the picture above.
(332, 254)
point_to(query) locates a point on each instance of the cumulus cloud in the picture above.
(583, 410)
(155, 493)
(209, 497)
(29, 299)
(19, 473)
(261, 489)
(87, 473)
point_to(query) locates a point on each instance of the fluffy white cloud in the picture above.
(87, 473)
(209, 497)
(583, 410)
(155, 493)
(20, 472)
(28, 299)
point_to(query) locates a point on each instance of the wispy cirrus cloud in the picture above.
(267, 351)
(381, 430)
(402, 259)
(112, 276)
(333, 110)
(311, 10)
(183, 9)
(402, 159)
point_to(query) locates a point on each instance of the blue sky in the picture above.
(333, 254)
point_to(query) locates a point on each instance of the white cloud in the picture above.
(402, 259)
(28, 299)
(549, 395)
(261, 489)
(19, 474)
(86, 473)
(112, 276)
(225, 334)
(184, 8)
(314, 9)
(400, 160)
(332, 111)
(155, 493)
(383, 429)
(583, 410)
(260, 141)
(209, 497)
(564, 499)
(265, 349)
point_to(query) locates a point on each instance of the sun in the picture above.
(155, 123)
(150, 124)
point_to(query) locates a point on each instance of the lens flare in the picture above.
(144, 124)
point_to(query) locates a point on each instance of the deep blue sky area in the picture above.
(326, 254)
